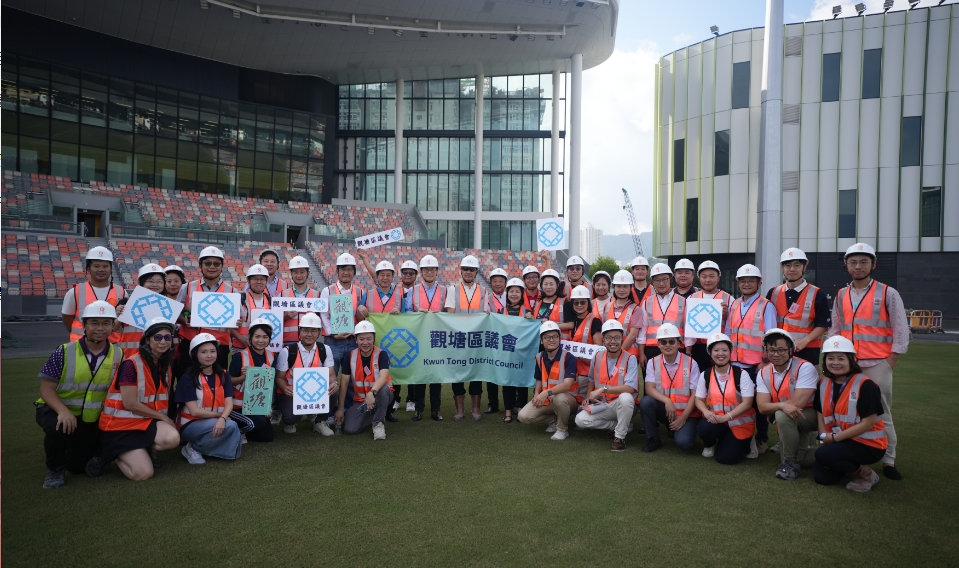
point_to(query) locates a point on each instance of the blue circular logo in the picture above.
(311, 386)
(402, 347)
(137, 309)
(395, 235)
(550, 234)
(703, 318)
(215, 309)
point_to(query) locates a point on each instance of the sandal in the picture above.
(477, 417)
(508, 420)
(457, 418)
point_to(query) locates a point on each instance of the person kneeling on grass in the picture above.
(671, 380)
(613, 383)
(725, 397)
(307, 353)
(258, 428)
(555, 377)
(849, 406)
(206, 395)
(369, 371)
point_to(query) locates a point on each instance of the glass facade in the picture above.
(68, 122)
(831, 73)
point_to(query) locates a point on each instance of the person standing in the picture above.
(301, 287)
(663, 306)
(639, 270)
(256, 298)
(514, 397)
(709, 275)
(724, 396)
(428, 296)
(622, 309)
(801, 308)
(872, 316)
(211, 272)
(495, 302)
(553, 395)
(671, 381)
(575, 276)
(99, 286)
(152, 277)
(368, 371)
(341, 344)
(174, 279)
(275, 285)
(73, 387)
(585, 328)
(550, 304)
(467, 297)
(385, 298)
(531, 280)
(683, 273)
(602, 294)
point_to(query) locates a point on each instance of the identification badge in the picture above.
(795, 308)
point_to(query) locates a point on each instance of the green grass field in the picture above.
(487, 494)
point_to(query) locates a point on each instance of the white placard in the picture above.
(311, 394)
(381, 238)
(703, 317)
(550, 234)
(145, 305)
(287, 304)
(581, 350)
(214, 309)
(275, 317)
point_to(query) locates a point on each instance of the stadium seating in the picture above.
(350, 220)
(39, 265)
(17, 186)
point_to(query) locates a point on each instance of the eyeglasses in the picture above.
(780, 351)
(661, 280)
(409, 273)
(213, 264)
(857, 263)
(468, 269)
(668, 342)
(162, 337)
(580, 302)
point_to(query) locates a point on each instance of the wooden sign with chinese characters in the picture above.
(258, 391)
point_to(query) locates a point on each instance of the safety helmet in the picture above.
(548, 326)
(860, 248)
(176, 270)
(155, 325)
(261, 322)
(791, 254)
(709, 264)
(299, 262)
(364, 327)
(718, 338)
(551, 273)
(838, 344)
(345, 259)
(409, 264)
(498, 272)
(429, 261)
(780, 333)
(612, 325)
(603, 273)
(257, 270)
(639, 261)
(666, 331)
(661, 268)
(684, 264)
(575, 261)
(530, 270)
(469, 261)
(268, 251)
(515, 282)
(580, 293)
(98, 309)
(148, 269)
(311, 320)
(384, 265)
(747, 270)
(211, 251)
(202, 338)
(623, 277)
(99, 253)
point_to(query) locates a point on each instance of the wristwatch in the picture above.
(549, 392)
(373, 391)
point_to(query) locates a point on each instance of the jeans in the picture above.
(357, 418)
(341, 351)
(654, 413)
(835, 461)
(199, 434)
(67, 451)
(730, 450)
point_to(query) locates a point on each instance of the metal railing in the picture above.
(927, 321)
(177, 234)
(34, 224)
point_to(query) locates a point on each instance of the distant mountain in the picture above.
(620, 247)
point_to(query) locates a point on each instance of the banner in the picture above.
(583, 351)
(299, 304)
(275, 317)
(341, 313)
(258, 391)
(214, 309)
(550, 234)
(381, 238)
(455, 348)
(145, 305)
(703, 317)
(311, 394)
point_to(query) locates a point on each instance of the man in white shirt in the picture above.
(612, 387)
(99, 286)
(308, 353)
(671, 380)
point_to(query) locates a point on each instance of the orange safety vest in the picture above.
(638, 297)
(207, 399)
(675, 314)
(555, 314)
(723, 400)
(799, 324)
(523, 310)
(554, 377)
(844, 414)
(246, 360)
(596, 311)
(867, 325)
(722, 297)
(362, 383)
(602, 377)
(581, 335)
(248, 315)
(472, 303)
(115, 416)
(355, 291)
(84, 295)
(530, 300)
(678, 393)
(787, 388)
(623, 318)
(374, 301)
(746, 332)
(493, 305)
(291, 326)
(188, 332)
(421, 300)
(129, 340)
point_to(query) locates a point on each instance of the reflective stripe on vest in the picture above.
(246, 360)
(581, 334)
(723, 400)
(678, 393)
(867, 325)
(470, 304)
(602, 377)
(129, 340)
(248, 316)
(362, 383)
(212, 400)
(374, 300)
(675, 314)
(84, 295)
(79, 389)
(800, 325)
(787, 388)
(553, 377)
(493, 303)
(115, 416)
(422, 300)
(291, 326)
(746, 332)
(188, 332)
(845, 414)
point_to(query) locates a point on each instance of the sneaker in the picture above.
(775, 448)
(788, 471)
(95, 467)
(619, 445)
(396, 406)
(275, 418)
(54, 479)
(551, 428)
(322, 428)
(709, 452)
(559, 435)
(762, 447)
(243, 439)
(891, 473)
(865, 484)
(379, 431)
(753, 450)
(411, 407)
(653, 444)
(289, 428)
(390, 417)
(192, 456)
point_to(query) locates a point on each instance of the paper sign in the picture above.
(275, 317)
(310, 390)
(258, 391)
(145, 305)
(214, 309)
(300, 304)
(703, 317)
(381, 238)
(341, 313)
(581, 350)
(550, 234)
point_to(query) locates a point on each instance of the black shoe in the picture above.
(491, 409)
(55, 479)
(94, 467)
(653, 444)
(436, 416)
(390, 417)
(157, 464)
(417, 416)
(891, 472)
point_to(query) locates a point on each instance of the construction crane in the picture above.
(633, 229)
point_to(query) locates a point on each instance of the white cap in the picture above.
(150, 268)
(550, 272)
(580, 293)
(100, 253)
(98, 309)
(709, 264)
(716, 338)
(791, 254)
(385, 265)
(299, 262)
(748, 270)
(639, 261)
(155, 324)
(661, 268)
(311, 320)
(498, 272)
(860, 248)
(549, 326)
(174, 268)
(262, 322)
(364, 327)
(345, 259)
(429, 261)
(602, 273)
(838, 344)
(211, 251)
(782, 332)
(612, 325)
(409, 264)
(667, 330)
(515, 282)
(684, 264)
(257, 270)
(575, 261)
(202, 338)
(469, 261)
(623, 277)
(530, 270)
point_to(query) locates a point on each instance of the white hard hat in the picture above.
(623, 277)
(345, 259)
(748, 270)
(602, 273)
(98, 309)
(515, 282)
(612, 325)
(364, 327)
(263, 323)
(257, 270)
(860, 248)
(153, 325)
(311, 320)
(838, 344)
(175, 268)
(385, 265)
(429, 261)
(498, 272)
(661, 268)
(269, 251)
(530, 270)
(639, 261)
(575, 261)
(299, 262)
(409, 264)
(469, 261)
(550, 272)
(100, 253)
(780, 332)
(716, 338)
(580, 293)
(709, 264)
(548, 326)
(791, 254)
(211, 251)
(150, 268)
(667, 330)
(684, 264)
(202, 338)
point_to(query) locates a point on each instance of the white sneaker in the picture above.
(559, 435)
(323, 428)
(709, 452)
(411, 407)
(396, 405)
(289, 428)
(192, 456)
(629, 428)
(753, 450)
(243, 438)
(275, 418)
(775, 448)
(379, 431)
(551, 428)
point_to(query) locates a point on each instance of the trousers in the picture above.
(881, 374)
(654, 414)
(616, 416)
(67, 451)
(729, 449)
(418, 394)
(559, 409)
(837, 460)
(357, 418)
(796, 435)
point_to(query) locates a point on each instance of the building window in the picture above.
(679, 160)
(741, 85)
(931, 216)
(911, 141)
(831, 64)
(871, 73)
(847, 213)
(721, 160)
(692, 220)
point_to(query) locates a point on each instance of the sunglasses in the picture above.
(409, 273)
(213, 264)
(162, 337)
(580, 302)
(668, 342)
(468, 269)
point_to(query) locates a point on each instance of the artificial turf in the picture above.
(487, 494)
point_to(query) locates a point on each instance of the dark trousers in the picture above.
(70, 451)
(837, 460)
(811, 354)
(650, 351)
(418, 394)
(762, 421)
(730, 450)
(476, 388)
(256, 428)
(701, 356)
(654, 414)
(492, 394)
(515, 397)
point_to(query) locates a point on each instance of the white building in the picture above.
(591, 242)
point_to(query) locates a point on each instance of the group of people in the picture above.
(116, 393)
